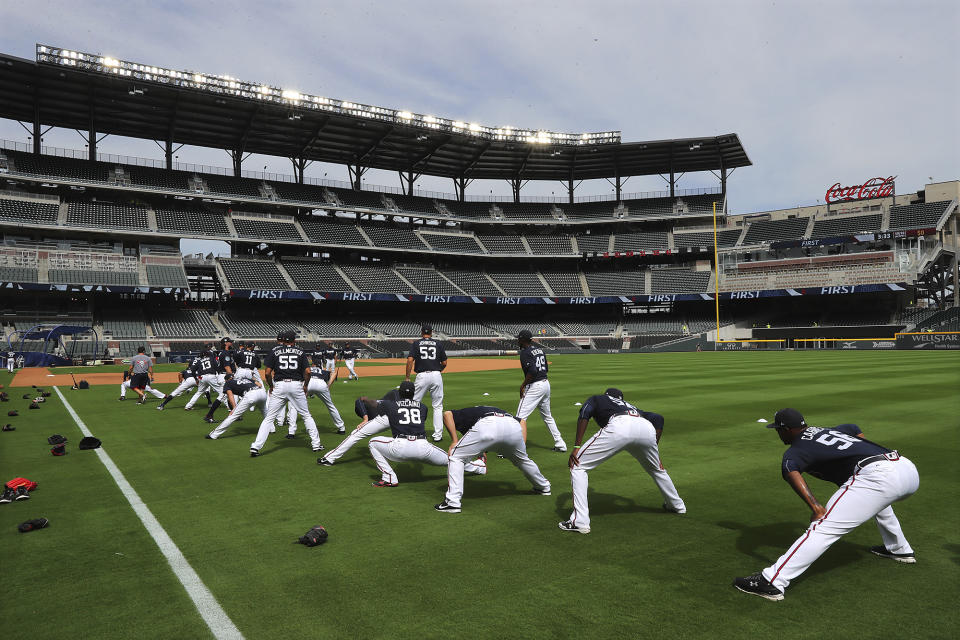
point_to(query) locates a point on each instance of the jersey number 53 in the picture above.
(427, 352)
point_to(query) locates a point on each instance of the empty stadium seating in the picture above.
(45, 165)
(725, 238)
(159, 178)
(846, 226)
(519, 284)
(335, 328)
(394, 237)
(503, 244)
(116, 328)
(252, 274)
(18, 274)
(550, 245)
(91, 276)
(614, 283)
(187, 323)
(587, 327)
(427, 281)
(472, 282)
(266, 229)
(771, 230)
(563, 283)
(463, 329)
(375, 278)
(28, 211)
(394, 328)
(451, 242)
(917, 216)
(678, 281)
(594, 243)
(250, 328)
(229, 185)
(330, 232)
(191, 222)
(106, 216)
(638, 241)
(159, 275)
(311, 275)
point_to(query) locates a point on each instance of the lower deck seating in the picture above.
(253, 274)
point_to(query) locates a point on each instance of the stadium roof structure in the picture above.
(103, 96)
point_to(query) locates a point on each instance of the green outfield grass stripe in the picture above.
(207, 606)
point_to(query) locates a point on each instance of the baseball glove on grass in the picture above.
(316, 535)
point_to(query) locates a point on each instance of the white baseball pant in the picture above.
(252, 398)
(867, 494)
(411, 449)
(349, 363)
(10, 363)
(243, 374)
(639, 438)
(329, 365)
(537, 394)
(287, 392)
(317, 387)
(148, 389)
(494, 433)
(187, 383)
(431, 382)
(208, 382)
(365, 430)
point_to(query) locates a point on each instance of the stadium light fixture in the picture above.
(224, 85)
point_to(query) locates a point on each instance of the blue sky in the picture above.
(819, 92)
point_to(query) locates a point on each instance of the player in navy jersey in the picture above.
(535, 390)
(870, 477)
(622, 426)
(428, 358)
(373, 421)
(483, 429)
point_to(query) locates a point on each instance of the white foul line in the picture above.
(210, 610)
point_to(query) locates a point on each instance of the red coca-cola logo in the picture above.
(872, 188)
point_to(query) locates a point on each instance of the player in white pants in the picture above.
(11, 361)
(125, 386)
(372, 422)
(255, 398)
(349, 359)
(535, 389)
(485, 429)
(870, 478)
(319, 386)
(409, 444)
(289, 364)
(622, 426)
(428, 358)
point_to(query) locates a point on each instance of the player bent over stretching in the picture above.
(622, 426)
(320, 384)
(485, 429)
(372, 422)
(409, 442)
(871, 478)
(287, 376)
(241, 395)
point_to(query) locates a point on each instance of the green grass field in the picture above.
(394, 568)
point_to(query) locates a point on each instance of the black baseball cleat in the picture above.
(22, 494)
(670, 509)
(382, 483)
(209, 437)
(210, 421)
(142, 400)
(188, 408)
(290, 436)
(541, 492)
(254, 452)
(319, 447)
(341, 430)
(567, 525)
(322, 461)
(906, 558)
(7, 496)
(122, 398)
(759, 586)
(443, 507)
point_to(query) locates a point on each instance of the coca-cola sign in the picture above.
(872, 188)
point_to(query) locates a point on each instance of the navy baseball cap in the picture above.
(426, 329)
(614, 393)
(525, 335)
(287, 335)
(788, 419)
(406, 389)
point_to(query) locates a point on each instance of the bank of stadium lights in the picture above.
(227, 85)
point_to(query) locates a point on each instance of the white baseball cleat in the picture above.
(670, 509)
(437, 437)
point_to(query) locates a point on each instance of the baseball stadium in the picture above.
(703, 319)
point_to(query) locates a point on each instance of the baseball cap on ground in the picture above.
(788, 418)
(614, 393)
(525, 335)
(406, 389)
(426, 330)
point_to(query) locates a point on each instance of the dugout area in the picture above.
(501, 568)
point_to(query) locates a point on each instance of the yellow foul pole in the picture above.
(716, 270)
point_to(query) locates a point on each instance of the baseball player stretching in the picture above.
(242, 395)
(350, 358)
(248, 364)
(287, 376)
(372, 422)
(189, 378)
(207, 368)
(125, 385)
(535, 390)
(870, 478)
(320, 383)
(408, 444)
(428, 358)
(485, 429)
(622, 426)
